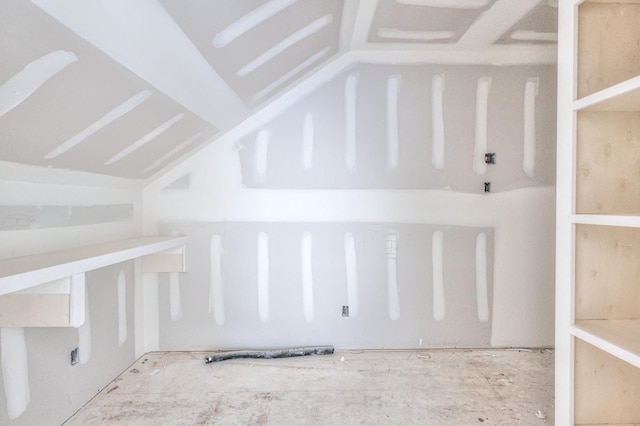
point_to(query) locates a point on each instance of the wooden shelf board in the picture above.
(623, 96)
(628, 221)
(620, 338)
(24, 272)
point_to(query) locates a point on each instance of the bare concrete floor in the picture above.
(430, 387)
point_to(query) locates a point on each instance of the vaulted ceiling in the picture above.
(126, 88)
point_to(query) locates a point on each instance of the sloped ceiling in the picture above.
(125, 88)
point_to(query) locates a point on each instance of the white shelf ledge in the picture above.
(623, 96)
(620, 338)
(628, 221)
(21, 273)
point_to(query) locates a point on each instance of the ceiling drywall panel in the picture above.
(540, 25)
(53, 126)
(408, 21)
(253, 43)
(128, 89)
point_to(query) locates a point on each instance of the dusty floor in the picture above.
(431, 387)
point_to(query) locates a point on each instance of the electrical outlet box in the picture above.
(75, 356)
(345, 310)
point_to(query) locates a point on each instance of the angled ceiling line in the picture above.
(348, 23)
(449, 4)
(364, 19)
(182, 145)
(111, 116)
(291, 73)
(249, 21)
(284, 44)
(142, 37)
(396, 34)
(260, 117)
(494, 22)
(23, 84)
(145, 139)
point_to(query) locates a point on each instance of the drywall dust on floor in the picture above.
(434, 387)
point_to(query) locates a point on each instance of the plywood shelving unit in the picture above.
(598, 221)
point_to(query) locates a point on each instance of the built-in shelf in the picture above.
(48, 289)
(620, 338)
(20, 273)
(623, 96)
(627, 221)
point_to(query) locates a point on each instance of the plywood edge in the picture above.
(34, 310)
(163, 262)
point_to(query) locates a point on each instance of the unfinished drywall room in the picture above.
(253, 174)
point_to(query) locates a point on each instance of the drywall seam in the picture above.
(290, 74)
(451, 54)
(128, 32)
(122, 308)
(22, 85)
(393, 91)
(77, 300)
(307, 276)
(258, 119)
(266, 56)
(437, 207)
(364, 19)
(151, 312)
(16, 172)
(393, 296)
(482, 106)
(529, 151)
(260, 155)
(437, 255)
(449, 4)
(15, 370)
(84, 333)
(350, 105)
(437, 121)
(263, 276)
(351, 263)
(348, 23)
(216, 287)
(482, 295)
(495, 21)
(173, 151)
(175, 297)
(145, 139)
(42, 216)
(249, 21)
(122, 109)
(396, 34)
(307, 142)
(524, 35)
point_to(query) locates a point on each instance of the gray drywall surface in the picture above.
(286, 323)
(505, 130)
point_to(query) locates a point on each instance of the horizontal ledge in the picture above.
(620, 338)
(624, 96)
(28, 271)
(628, 221)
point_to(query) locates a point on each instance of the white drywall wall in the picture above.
(289, 200)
